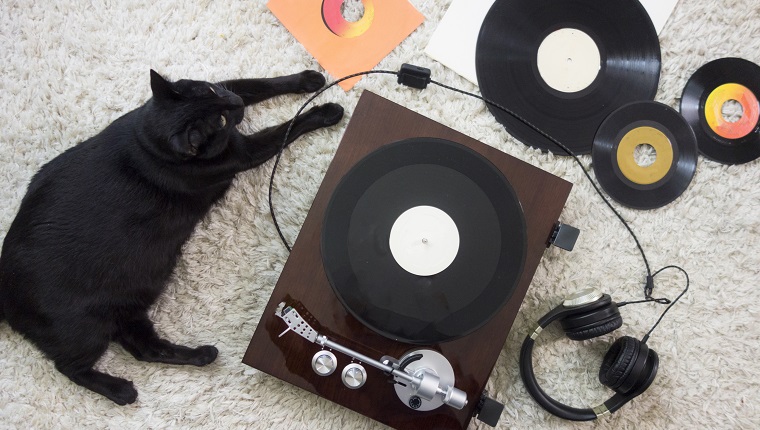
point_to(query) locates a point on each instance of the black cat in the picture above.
(101, 226)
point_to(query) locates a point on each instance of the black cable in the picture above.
(646, 337)
(648, 287)
(569, 152)
(661, 301)
(287, 134)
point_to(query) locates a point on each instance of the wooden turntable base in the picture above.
(304, 284)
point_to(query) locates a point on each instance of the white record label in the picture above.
(424, 240)
(568, 60)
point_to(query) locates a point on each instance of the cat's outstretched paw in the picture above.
(331, 113)
(311, 81)
(204, 355)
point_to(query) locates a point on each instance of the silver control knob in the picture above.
(324, 363)
(354, 376)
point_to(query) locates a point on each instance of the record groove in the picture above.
(644, 187)
(708, 88)
(370, 283)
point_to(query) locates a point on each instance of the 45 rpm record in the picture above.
(708, 89)
(640, 123)
(564, 66)
(425, 179)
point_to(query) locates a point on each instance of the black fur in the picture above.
(100, 229)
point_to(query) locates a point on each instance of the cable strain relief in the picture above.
(414, 76)
(649, 287)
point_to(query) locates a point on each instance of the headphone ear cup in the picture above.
(597, 330)
(629, 366)
(618, 362)
(590, 324)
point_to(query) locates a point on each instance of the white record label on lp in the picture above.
(424, 240)
(568, 60)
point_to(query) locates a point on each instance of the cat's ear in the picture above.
(162, 89)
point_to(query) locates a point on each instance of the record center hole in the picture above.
(352, 10)
(644, 154)
(732, 111)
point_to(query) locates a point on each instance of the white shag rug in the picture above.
(69, 68)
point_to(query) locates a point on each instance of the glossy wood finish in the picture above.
(304, 285)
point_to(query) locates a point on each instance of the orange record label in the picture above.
(343, 47)
(714, 111)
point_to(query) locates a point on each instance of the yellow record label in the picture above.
(645, 175)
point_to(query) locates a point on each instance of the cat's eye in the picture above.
(222, 121)
(213, 90)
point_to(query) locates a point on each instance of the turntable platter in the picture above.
(460, 216)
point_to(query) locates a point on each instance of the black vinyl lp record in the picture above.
(564, 66)
(648, 186)
(367, 276)
(728, 141)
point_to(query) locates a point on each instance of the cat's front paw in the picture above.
(311, 81)
(331, 113)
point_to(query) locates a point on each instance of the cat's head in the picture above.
(192, 119)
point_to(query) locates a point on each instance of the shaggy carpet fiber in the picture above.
(69, 68)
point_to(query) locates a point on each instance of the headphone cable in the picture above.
(568, 152)
(420, 77)
(287, 134)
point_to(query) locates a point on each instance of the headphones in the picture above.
(629, 367)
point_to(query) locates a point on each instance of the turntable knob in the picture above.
(354, 376)
(324, 363)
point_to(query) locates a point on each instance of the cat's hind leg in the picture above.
(138, 336)
(257, 90)
(75, 355)
(120, 391)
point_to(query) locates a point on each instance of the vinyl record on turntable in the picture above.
(423, 240)
(652, 185)
(565, 66)
(732, 140)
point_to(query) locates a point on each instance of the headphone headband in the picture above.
(555, 407)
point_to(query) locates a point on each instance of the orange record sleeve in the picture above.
(344, 47)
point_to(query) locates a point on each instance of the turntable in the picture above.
(408, 271)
